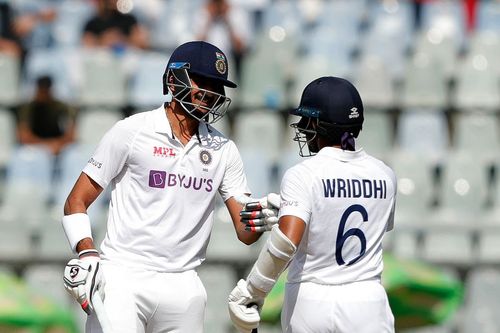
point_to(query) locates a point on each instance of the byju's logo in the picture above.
(157, 178)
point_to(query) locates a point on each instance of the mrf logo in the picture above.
(163, 151)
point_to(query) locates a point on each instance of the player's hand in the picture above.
(259, 215)
(244, 308)
(82, 279)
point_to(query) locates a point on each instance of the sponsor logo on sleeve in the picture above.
(95, 163)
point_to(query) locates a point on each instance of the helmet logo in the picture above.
(354, 113)
(205, 157)
(220, 63)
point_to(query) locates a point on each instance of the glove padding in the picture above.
(244, 308)
(82, 279)
(259, 215)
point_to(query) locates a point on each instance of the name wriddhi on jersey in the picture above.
(354, 188)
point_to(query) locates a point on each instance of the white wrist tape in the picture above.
(273, 260)
(77, 227)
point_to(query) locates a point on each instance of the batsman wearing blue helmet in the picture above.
(335, 209)
(165, 168)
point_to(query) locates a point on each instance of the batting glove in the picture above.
(259, 215)
(244, 308)
(82, 279)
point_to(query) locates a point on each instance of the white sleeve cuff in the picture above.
(77, 227)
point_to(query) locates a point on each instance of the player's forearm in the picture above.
(85, 244)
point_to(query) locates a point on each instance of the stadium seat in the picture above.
(441, 49)
(416, 190)
(477, 84)
(179, 27)
(487, 43)
(103, 79)
(446, 18)
(450, 234)
(317, 63)
(249, 128)
(9, 80)
(24, 208)
(389, 21)
(93, 123)
(61, 64)
(375, 83)
(488, 16)
(376, 137)
(476, 132)
(146, 90)
(47, 281)
(264, 78)
(7, 136)
(70, 21)
(481, 303)
(423, 131)
(421, 91)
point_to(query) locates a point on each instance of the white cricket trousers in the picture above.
(139, 301)
(360, 307)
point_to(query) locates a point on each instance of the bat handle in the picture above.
(101, 313)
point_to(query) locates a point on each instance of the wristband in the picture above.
(77, 227)
(88, 251)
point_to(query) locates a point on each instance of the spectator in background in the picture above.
(45, 120)
(9, 41)
(113, 28)
(225, 25)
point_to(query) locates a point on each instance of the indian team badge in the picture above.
(220, 63)
(205, 157)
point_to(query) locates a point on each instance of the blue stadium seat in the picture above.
(423, 131)
(9, 80)
(488, 16)
(24, 208)
(93, 123)
(146, 90)
(388, 22)
(103, 79)
(376, 137)
(421, 91)
(7, 136)
(62, 64)
(445, 18)
(476, 133)
(477, 84)
(375, 82)
(70, 21)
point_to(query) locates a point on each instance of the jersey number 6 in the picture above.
(342, 236)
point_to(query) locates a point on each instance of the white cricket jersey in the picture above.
(163, 193)
(347, 201)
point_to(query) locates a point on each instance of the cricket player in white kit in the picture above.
(335, 209)
(165, 168)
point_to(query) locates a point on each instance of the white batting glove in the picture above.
(82, 279)
(259, 215)
(244, 308)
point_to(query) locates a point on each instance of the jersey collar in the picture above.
(342, 155)
(162, 125)
(160, 122)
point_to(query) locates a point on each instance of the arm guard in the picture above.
(273, 260)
